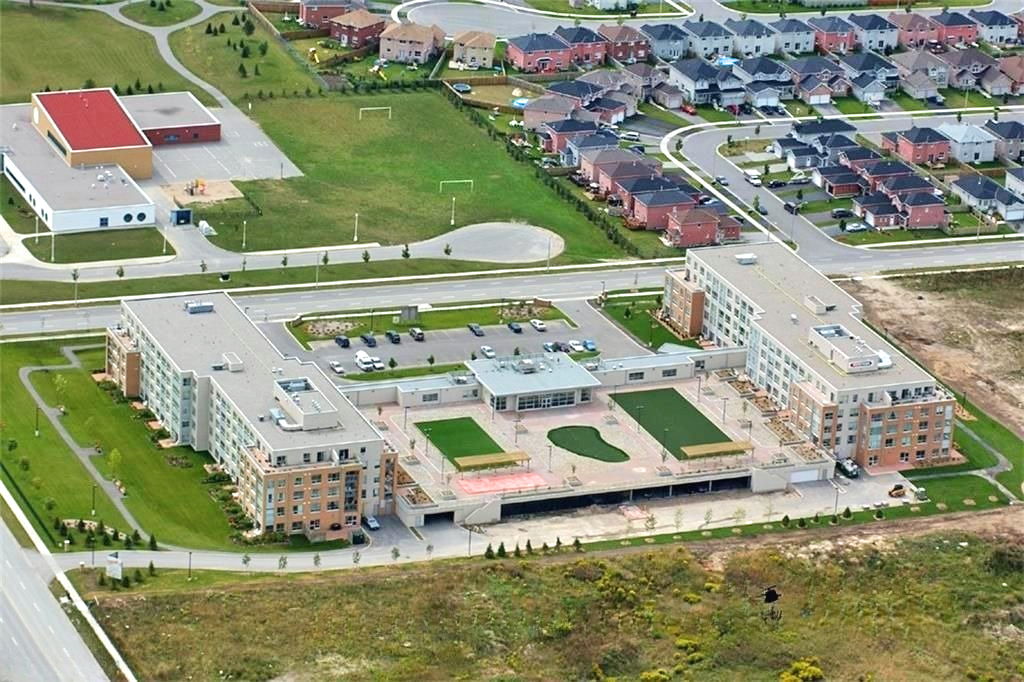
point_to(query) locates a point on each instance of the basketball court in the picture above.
(502, 483)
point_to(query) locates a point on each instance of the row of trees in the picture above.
(501, 552)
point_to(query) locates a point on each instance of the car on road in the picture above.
(550, 346)
(775, 184)
(762, 209)
(515, 327)
(746, 108)
(372, 523)
(791, 207)
(721, 180)
(369, 340)
(800, 180)
(476, 329)
(487, 352)
(378, 364)
(342, 341)
(856, 227)
(630, 136)
(689, 109)
(538, 325)
(393, 336)
(417, 334)
(589, 345)
(841, 213)
(364, 361)
(575, 346)
(708, 201)
(336, 367)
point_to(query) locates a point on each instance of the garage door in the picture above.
(803, 476)
(819, 99)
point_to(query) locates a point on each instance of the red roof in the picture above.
(91, 119)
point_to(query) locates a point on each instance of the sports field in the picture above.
(670, 419)
(461, 437)
(586, 441)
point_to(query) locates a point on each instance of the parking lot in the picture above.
(456, 345)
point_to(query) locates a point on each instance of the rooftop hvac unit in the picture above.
(793, 318)
(195, 307)
(746, 258)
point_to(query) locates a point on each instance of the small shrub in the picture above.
(785, 521)
(801, 523)
(502, 553)
(489, 552)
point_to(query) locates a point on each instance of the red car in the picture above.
(689, 108)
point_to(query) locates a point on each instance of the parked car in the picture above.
(538, 325)
(515, 327)
(416, 333)
(575, 346)
(589, 345)
(848, 467)
(563, 347)
(841, 213)
(476, 329)
(775, 184)
(364, 361)
(638, 148)
(791, 207)
(372, 523)
(689, 108)
(856, 227)
(336, 367)
(630, 136)
(487, 352)
(342, 341)
(746, 108)
(762, 209)
(378, 364)
(549, 346)
(721, 180)
(393, 336)
(800, 180)
(369, 340)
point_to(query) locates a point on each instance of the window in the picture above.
(667, 373)
(334, 477)
(635, 376)
(296, 525)
(104, 222)
(314, 508)
(919, 454)
(315, 479)
(280, 511)
(296, 509)
(297, 481)
(141, 217)
(873, 460)
(314, 493)
(306, 459)
(431, 397)
(904, 456)
(332, 506)
(280, 460)
(298, 494)
(127, 217)
(332, 491)
(314, 524)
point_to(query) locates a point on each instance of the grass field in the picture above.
(404, 372)
(460, 437)
(908, 103)
(214, 61)
(188, 517)
(623, 614)
(977, 458)
(15, 211)
(360, 70)
(824, 205)
(709, 113)
(54, 475)
(797, 108)
(955, 99)
(635, 315)
(663, 115)
(388, 171)
(586, 441)
(670, 419)
(851, 105)
(90, 46)
(172, 12)
(83, 247)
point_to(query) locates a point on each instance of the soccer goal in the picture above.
(362, 110)
(440, 185)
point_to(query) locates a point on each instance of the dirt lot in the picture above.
(966, 328)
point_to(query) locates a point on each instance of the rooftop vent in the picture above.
(196, 307)
(815, 304)
(233, 362)
(746, 258)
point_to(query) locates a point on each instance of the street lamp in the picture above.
(355, 233)
(190, 565)
(245, 224)
(550, 449)
(405, 420)
(94, 499)
(724, 402)
(639, 413)
(453, 211)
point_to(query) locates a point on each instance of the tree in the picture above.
(489, 552)
(447, 249)
(102, 580)
(544, 548)
(708, 516)
(120, 271)
(757, 202)
(209, 29)
(89, 84)
(246, 53)
(501, 550)
(235, 21)
(847, 513)
(222, 29)
(137, 576)
(959, 117)
(161, 8)
(529, 547)
(728, 140)
(392, 363)
(366, 256)
(842, 228)
(152, 569)
(577, 546)
(114, 460)
(785, 521)
(430, 360)
(395, 553)
(248, 27)
(517, 552)
(516, 351)
(430, 550)
(126, 582)
(264, 46)
(242, 72)
(256, 71)
(558, 543)
(767, 169)
(472, 355)
(316, 559)
(152, 543)
(405, 251)
(757, 130)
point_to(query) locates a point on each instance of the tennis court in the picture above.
(670, 419)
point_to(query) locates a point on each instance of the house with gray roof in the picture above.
(969, 143)
(668, 41)
(1009, 139)
(994, 27)
(920, 63)
(707, 38)
(857, 64)
(751, 38)
(792, 36)
(875, 32)
(1015, 181)
(703, 83)
(986, 195)
(766, 72)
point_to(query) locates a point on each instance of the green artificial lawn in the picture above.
(63, 48)
(586, 441)
(670, 419)
(100, 245)
(460, 437)
(173, 12)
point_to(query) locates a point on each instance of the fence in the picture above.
(255, 11)
(274, 6)
(306, 33)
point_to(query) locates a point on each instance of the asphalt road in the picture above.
(37, 641)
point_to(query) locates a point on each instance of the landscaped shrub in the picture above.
(801, 523)
(785, 521)
(847, 513)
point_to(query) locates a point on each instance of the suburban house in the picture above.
(883, 171)
(823, 69)
(969, 143)
(954, 27)
(539, 53)
(807, 131)
(592, 159)
(876, 210)
(793, 36)
(652, 210)
(411, 43)
(922, 74)
(557, 134)
(668, 41)
(575, 146)
(858, 157)
(994, 27)
(921, 210)
(966, 66)
(700, 227)
(612, 109)
(919, 86)
(916, 30)
(357, 29)
(587, 47)
(764, 71)
(751, 38)
(1013, 67)
(1009, 138)
(837, 181)
(703, 83)
(904, 185)
(626, 44)
(583, 92)
(668, 96)
(833, 34)
(801, 157)
(870, 64)
(868, 89)
(707, 38)
(761, 94)
(627, 188)
(1015, 181)
(781, 146)
(474, 49)
(643, 78)
(988, 196)
(317, 13)
(830, 146)
(918, 145)
(547, 108)
(875, 32)
(817, 79)
(609, 174)
(995, 82)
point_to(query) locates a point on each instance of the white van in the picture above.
(630, 135)
(364, 361)
(753, 176)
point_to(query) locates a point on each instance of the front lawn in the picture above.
(459, 437)
(963, 493)
(824, 205)
(663, 115)
(586, 441)
(99, 245)
(161, 13)
(15, 211)
(874, 237)
(908, 103)
(851, 105)
(670, 419)
(360, 70)
(712, 115)
(955, 99)
(797, 108)
(636, 315)
(971, 448)
(653, 7)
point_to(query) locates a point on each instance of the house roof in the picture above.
(748, 28)
(760, 86)
(993, 75)
(881, 209)
(602, 156)
(790, 26)
(1013, 67)
(806, 66)
(695, 69)
(555, 104)
(917, 135)
(326, 3)
(836, 141)
(920, 81)
(888, 168)
(620, 34)
(705, 29)
(599, 140)
(536, 42)
(811, 83)
(859, 154)
(639, 164)
(830, 24)
(967, 58)
(985, 188)
(694, 215)
(1007, 130)
(786, 143)
(358, 19)
(823, 127)
(831, 171)
(416, 33)
(571, 125)
(763, 66)
(872, 199)
(871, 22)
(866, 80)
(962, 133)
(668, 89)
(917, 60)
(951, 19)
(575, 35)
(475, 39)
(911, 22)
(802, 150)
(904, 183)
(665, 197)
(605, 78)
(1017, 173)
(575, 88)
(847, 177)
(922, 199)
(662, 31)
(641, 69)
(990, 17)
(651, 183)
(865, 61)
(606, 104)
(91, 119)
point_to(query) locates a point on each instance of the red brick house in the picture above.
(833, 34)
(922, 210)
(318, 13)
(954, 27)
(357, 29)
(857, 158)
(880, 172)
(539, 53)
(700, 227)
(609, 174)
(905, 184)
(625, 43)
(588, 47)
(592, 160)
(915, 29)
(918, 145)
(556, 134)
(652, 210)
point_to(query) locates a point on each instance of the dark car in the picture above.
(342, 341)
(791, 207)
(775, 184)
(515, 327)
(746, 108)
(476, 329)
(563, 346)
(762, 209)
(393, 336)
(369, 340)
(842, 213)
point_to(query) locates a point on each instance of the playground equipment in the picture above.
(313, 56)
(194, 187)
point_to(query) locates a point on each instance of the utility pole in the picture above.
(245, 224)
(355, 234)
(453, 211)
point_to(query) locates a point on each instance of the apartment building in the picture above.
(305, 460)
(841, 384)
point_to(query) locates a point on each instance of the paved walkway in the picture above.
(988, 473)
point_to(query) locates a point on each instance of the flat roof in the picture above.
(197, 341)
(168, 110)
(777, 284)
(91, 119)
(63, 187)
(535, 373)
